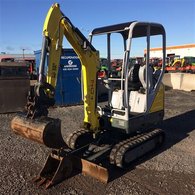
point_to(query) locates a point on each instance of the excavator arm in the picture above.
(56, 26)
(36, 125)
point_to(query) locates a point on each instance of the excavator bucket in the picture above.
(55, 170)
(43, 130)
(58, 168)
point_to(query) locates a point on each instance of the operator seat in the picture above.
(134, 83)
(137, 99)
(142, 77)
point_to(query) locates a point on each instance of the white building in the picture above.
(179, 50)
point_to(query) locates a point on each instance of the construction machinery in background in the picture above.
(6, 59)
(177, 64)
(28, 62)
(173, 63)
(31, 68)
(103, 71)
(116, 133)
(189, 63)
(137, 60)
(156, 63)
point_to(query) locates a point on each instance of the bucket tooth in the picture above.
(55, 170)
(42, 181)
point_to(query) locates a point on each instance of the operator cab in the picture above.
(133, 86)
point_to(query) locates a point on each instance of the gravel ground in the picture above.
(170, 170)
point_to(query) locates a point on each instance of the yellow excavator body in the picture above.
(118, 133)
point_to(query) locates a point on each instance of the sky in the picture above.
(21, 21)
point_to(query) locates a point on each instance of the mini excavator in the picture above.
(116, 134)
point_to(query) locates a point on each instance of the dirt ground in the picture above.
(170, 170)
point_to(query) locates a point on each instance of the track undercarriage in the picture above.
(82, 152)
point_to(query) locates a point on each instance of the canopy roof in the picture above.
(140, 29)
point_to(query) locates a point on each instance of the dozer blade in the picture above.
(55, 170)
(58, 168)
(43, 130)
(94, 170)
(91, 169)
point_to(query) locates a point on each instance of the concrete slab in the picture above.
(180, 81)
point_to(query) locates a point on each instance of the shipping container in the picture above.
(68, 88)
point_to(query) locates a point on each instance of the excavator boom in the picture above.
(56, 26)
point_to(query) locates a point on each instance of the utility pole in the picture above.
(23, 52)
